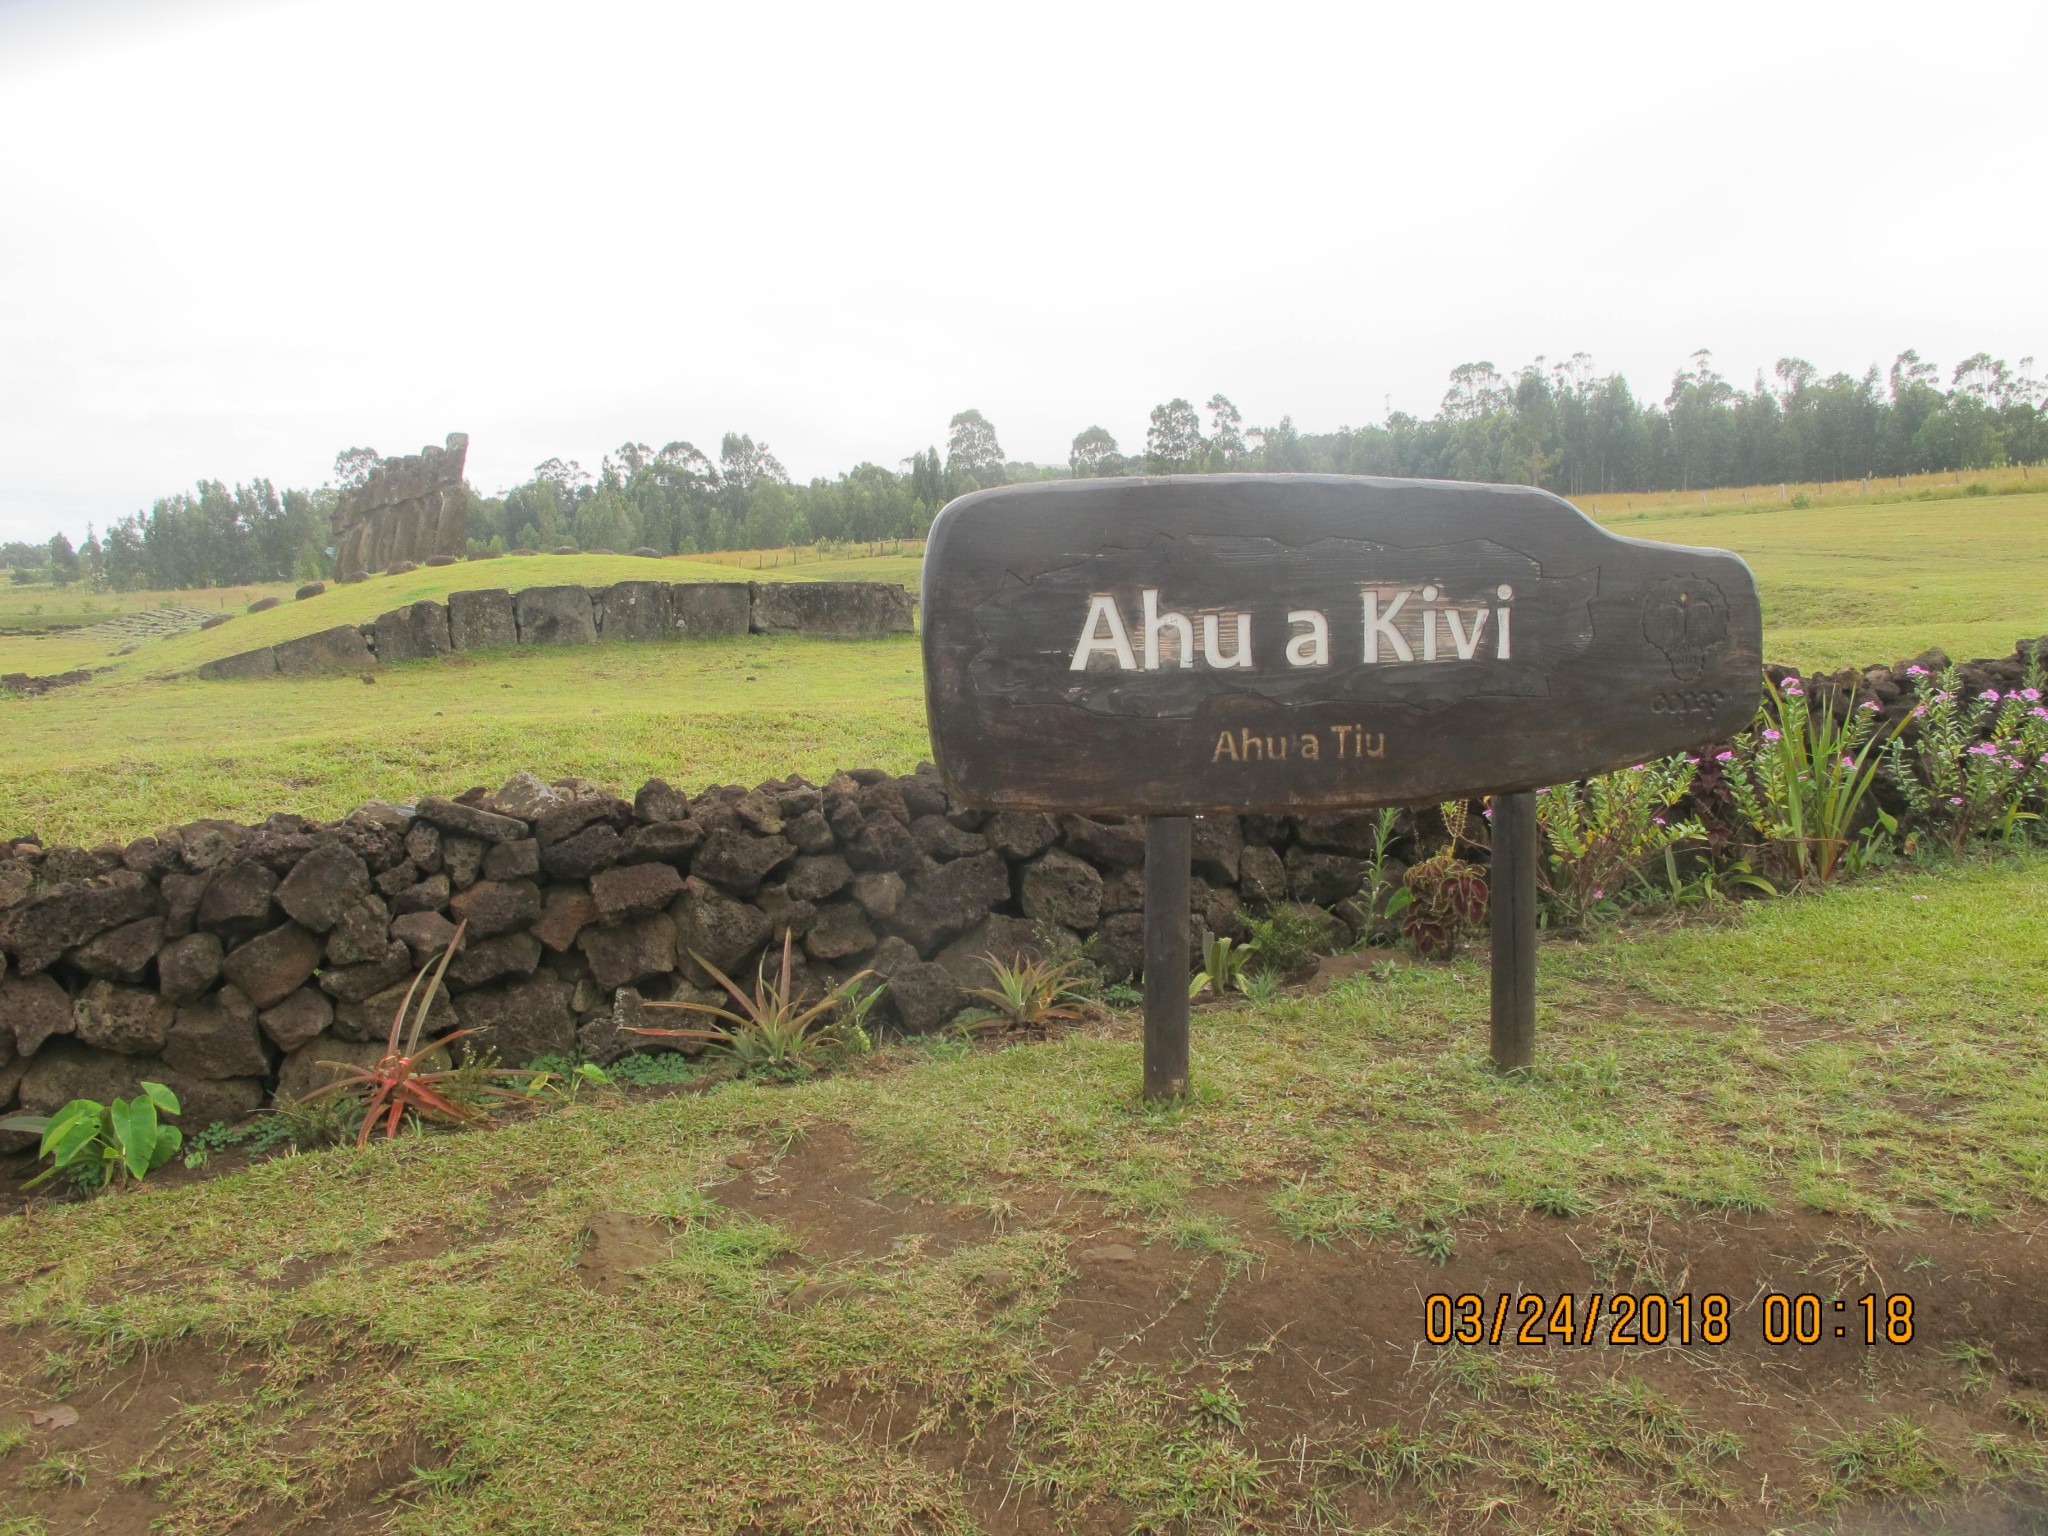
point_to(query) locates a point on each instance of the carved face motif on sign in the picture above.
(1243, 642)
(1686, 618)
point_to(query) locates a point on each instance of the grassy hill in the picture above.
(357, 603)
(143, 744)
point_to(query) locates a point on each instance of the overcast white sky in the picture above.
(237, 237)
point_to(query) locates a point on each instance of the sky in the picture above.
(237, 236)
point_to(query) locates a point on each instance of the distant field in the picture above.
(122, 756)
(43, 609)
(1847, 585)
(1939, 483)
(145, 744)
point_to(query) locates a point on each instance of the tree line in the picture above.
(208, 537)
(1563, 426)
(1569, 429)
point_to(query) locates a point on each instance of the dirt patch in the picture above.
(102, 1472)
(820, 1190)
(1375, 964)
(1323, 1345)
(618, 1249)
(1316, 1346)
(118, 1426)
(1614, 1003)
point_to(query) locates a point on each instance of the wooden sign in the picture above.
(1211, 644)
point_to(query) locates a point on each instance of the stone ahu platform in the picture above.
(626, 610)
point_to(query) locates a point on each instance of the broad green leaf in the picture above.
(168, 1139)
(71, 1130)
(161, 1097)
(135, 1131)
(34, 1125)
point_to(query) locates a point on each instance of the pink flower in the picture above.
(1869, 704)
(1792, 688)
(1983, 749)
(1598, 894)
(2031, 695)
(1916, 671)
(1723, 757)
(1919, 710)
(1770, 735)
(2039, 711)
(1848, 761)
(1955, 799)
(1989, 695)
(1659, 820)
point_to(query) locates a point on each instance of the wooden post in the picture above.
(1169, 844)
(1514, 931)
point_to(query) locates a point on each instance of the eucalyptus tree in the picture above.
(1173, 443)
(1227, 447)
(974, 457)
(1094, 454)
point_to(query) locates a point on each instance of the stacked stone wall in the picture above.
(572, 615)
(230, 961)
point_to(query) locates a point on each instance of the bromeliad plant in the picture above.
(1604, 834)
(1975, 763)
(98, 1144)
(772, 1030)
(400, 1080)
(1799, 780)
(1032, 994)
(1223, 966)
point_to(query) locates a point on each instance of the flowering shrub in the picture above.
(1799, 779)
(1975, 763)
(1602, 835)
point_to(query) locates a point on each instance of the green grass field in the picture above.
(145, 744)
(1856, 584)
(984, 1290)
(357, 603)
(619, 714)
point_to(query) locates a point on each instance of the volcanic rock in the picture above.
(272, 966)
(217, 1038)
(297, 1019)
(124, 1019)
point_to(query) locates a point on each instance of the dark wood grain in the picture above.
(1513, 920)
(1169, 848)
(1616, 649)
